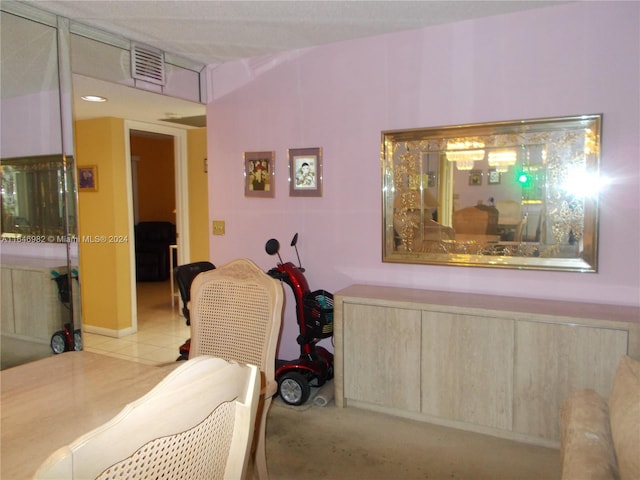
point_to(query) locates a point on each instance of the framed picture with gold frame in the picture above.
(259, 174)
(475, 178)
(88, 178)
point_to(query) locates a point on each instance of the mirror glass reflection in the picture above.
(519, 194)
(35, 196)
(40, 291)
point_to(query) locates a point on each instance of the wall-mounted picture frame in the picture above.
(305, 172)
(259, 174)
(475, 178)
(88, 178)
(431, 179)
(493, 176)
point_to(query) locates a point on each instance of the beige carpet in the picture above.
(313, 442)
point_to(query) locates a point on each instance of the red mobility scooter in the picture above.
(314, 312)
(69, 338)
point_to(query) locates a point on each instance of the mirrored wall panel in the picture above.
(30, 94)
(40, 285)
(35, 196)
(518, 194)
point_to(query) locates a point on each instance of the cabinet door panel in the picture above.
(467, 368)
(382, 356)
(552, 360)
(37, 308)
(6, 289)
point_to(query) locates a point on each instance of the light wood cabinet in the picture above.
(6, 290)
(496, 365)
(386, 345)
(31, 308)
(555, 359)
(472, 357)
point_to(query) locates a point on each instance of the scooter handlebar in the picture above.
(277, 274)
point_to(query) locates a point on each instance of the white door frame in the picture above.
(182, 200)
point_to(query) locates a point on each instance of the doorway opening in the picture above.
(157, 191)
(154, 206)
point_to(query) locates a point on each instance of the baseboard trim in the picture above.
(109, 332)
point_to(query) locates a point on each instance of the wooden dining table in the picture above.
(48, 403)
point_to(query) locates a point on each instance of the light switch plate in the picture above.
(218, 227)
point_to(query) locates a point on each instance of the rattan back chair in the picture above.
(196, 423)
(236, 313)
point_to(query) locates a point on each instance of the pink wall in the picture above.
(577, 58)
(31, 125)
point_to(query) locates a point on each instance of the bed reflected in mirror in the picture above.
(520, 194)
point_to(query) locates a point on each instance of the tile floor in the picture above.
(161, 329)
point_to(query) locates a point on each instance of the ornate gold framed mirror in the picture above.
(37, 199)
(519, 194)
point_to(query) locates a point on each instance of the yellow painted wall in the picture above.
(156, 177)
(105, 263)
(199, 229)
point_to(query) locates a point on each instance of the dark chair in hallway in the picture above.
(184, 276)
(152, 250)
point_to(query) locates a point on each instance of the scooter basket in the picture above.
(318, 314)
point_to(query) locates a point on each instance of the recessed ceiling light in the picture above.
(93, 98)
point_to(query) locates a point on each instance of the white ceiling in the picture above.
(130, 103)
(214, 32)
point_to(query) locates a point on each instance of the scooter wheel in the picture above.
(77, 340)
(294, 388)
(329, 372)
(58, 342)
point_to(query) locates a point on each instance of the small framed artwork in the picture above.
(493, 176)
(475, 178)
(305, 172)
(88, 178)
(431, 179)
(259, 174)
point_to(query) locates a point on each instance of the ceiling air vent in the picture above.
(147, 64)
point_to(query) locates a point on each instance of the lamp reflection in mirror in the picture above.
(464, 152)
(502, 159)
(465, 164)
